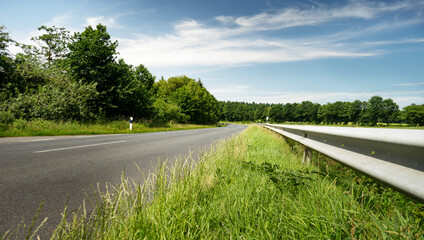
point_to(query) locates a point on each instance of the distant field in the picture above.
(54, 128)
(250, 187)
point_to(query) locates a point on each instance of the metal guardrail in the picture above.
(392, 156)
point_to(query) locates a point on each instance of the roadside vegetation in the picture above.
(79, 78)
(252, 187)
(53, 128)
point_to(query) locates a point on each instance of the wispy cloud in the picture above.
(110, 22)
(243, 40)
(318, 14)
(232, 89)
(60, 20)
(193, 43)
(409, 84)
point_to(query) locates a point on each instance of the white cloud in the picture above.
(225, 19)
(60, 20)
(193, 43)
(294, 17)
(110, 22)
(409, 84)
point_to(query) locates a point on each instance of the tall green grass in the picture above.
(250, 187)
(39, 127)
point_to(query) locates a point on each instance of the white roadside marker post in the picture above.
(131, 118)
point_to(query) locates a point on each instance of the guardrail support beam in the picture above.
(307, 155)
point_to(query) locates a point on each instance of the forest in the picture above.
(79, 77)
(365, 113)
(64, 77)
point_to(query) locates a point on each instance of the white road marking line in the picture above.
(91, 136)
(83, 146)
(188, 133)
(39, 140)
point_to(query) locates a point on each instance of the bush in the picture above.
(6, 118)
(165, 112)
(59, 100)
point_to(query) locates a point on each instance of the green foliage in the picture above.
(240, 111)
(334, 112)
(79, 78)
(414, 114)
(374, 110)
(183, 95)
(277, 113)
(354, 110)
(123, 90)
(6, 119)
(133, 95)
(6, 65)
(53, 44)
(59, 100)
(165, 112)
(371, 112)
(309, 111)
(390, 111)
(92, 55)
(91, 59)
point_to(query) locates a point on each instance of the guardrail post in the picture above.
(307, 155)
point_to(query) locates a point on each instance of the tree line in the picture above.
(375, 110)
(78, 76)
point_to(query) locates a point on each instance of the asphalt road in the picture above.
(54, 169)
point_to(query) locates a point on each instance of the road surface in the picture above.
(53, 169)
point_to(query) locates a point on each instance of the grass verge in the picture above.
(40, 127)
(250, 187)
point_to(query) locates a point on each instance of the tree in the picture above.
(259, 113)
(190, 96)
(390, 111)
(375, 110)
(309, 111)
(142, 74)
(414, 114)
(354, 111)
(6, 65)
(276, 113)
(288, 112)
(168, 111)
(92, 60)
(53, 45)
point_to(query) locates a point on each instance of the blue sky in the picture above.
(256, 50)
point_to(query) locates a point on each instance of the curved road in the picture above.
(54, 169)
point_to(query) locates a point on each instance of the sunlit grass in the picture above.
(54, 128)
